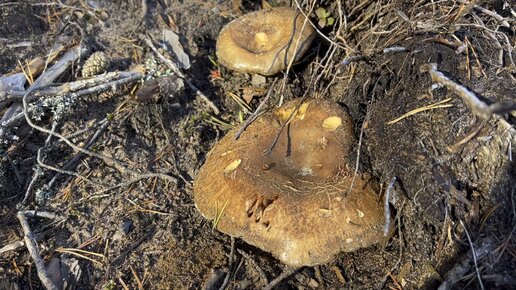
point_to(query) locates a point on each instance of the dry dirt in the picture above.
(148, 234)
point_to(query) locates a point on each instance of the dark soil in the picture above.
(148, 234)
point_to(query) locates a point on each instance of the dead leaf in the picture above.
(173, 40)
(250, 92)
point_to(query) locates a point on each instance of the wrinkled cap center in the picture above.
(306, 152)
(260, 38)
(308, 147)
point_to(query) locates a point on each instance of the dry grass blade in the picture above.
(240, 102)
(473, 252)
(218, 214)
(136, 278)
(437, 105)
(81, 254)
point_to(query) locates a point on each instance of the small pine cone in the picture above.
(96, 64)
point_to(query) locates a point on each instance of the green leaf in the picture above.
(321, 13)
(330, 21)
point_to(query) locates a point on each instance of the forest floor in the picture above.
(120, 215)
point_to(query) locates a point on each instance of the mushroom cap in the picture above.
(296, 202)
(264, 41)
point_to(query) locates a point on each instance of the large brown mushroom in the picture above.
(296, 202)
(265, 41)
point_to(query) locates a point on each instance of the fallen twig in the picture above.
(256, 266)
(388, 191)
(359, 147)
(120, 166)
(477, 106)
(38, 172)
(454, 148)
(12, 246)
(32, 247)
(230, 265)
(45, 79)
(127, 183)
(178, 72)
(81, 87)
(105, 123)
(463, 264)
(268, 151)
(285, 274)
(256, 112)
(474, 254)
(91, 85)
(496, 16)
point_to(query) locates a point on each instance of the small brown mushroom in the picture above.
(265, 41)
(295, 202)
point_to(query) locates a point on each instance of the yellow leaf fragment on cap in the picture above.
(232, 166)
(332, 123)
(284, 113)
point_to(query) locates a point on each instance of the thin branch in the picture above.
(257, 112)
(11, 247)
(287, 272)
(120, 166)
(180, 74)
(105, 123)
(357, 163)
(496, 16)
(256, 266)
(91, 85)
(45, 79)
(268, 151)
(477, 106)
(473, 252)
(230, 265)
(32, 247)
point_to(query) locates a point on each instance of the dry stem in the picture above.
(257, 112)
(477, 106)
(32, 246)
(178, 72)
